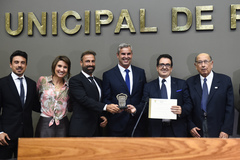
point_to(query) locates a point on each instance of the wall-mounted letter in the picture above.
(63, 22)
(200, 18)
(87, 22)
(8, 24)
(124, 15)
(187, 12)
(41, 28)
(143, 28)
(99, 22)
(54, 23)
(234, 16)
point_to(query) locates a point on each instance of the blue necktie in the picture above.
(127, 79)
(22, 94)
(204, 96)
(164, 90)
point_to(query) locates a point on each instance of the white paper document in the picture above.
(161, 108)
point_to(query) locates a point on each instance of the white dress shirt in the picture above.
(168, 85)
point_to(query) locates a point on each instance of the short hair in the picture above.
(123, 45)
(64, 59)
(19, 53)
(87, 53)
(205, 53)
(165, 56)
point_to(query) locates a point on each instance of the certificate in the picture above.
(161, 108)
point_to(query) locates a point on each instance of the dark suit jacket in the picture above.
(180, 92)
(220, 105)
(86, 106)
(122, 123)
(16, 120)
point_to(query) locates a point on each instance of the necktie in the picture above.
(22, 93)
(127, 79)
(204, 96)
(164, 90)
(94, 84)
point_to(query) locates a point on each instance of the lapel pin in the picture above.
(216, 87)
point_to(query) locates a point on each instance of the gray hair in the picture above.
(123, 45)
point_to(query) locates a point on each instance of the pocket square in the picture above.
(179, 90)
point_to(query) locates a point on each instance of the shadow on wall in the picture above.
(190, 63)
(4, 65)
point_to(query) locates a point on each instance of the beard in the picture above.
(88, 69)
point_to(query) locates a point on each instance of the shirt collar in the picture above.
(50, 80)
(14, 76)
(210, 76)
(167, 79)
(122, 69)
(86, 75)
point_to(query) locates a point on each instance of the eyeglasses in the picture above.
(161, 65)
(205, 62)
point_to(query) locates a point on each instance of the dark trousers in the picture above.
(167, 130)
(7, 152)
(43, 129)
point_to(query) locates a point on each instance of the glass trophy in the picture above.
(122, 100)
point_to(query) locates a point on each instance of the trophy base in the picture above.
(122, 107)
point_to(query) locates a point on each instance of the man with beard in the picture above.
(18, 97)
(85, 99)
(127, 79)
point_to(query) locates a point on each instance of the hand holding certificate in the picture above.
(161, 108)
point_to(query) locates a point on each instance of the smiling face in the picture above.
(125, 57)
(61, 69)
(164, 68)
(88, 64)
(18, 65)
(204, 64)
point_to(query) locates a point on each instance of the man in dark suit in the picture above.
(85, 99)
(114, 83)
(213, 103)
(174, 89)
(18, 97)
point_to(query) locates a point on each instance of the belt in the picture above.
(165, 124)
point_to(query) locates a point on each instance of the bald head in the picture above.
(204, 64)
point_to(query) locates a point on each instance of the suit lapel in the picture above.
(157, 87)
(29, 92)
(173, 88)
(214, 86)
(13, 88)
(197, 85)
(120, 78)
(135, 79)
(88, 83)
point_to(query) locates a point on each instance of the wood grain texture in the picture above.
(128, 148)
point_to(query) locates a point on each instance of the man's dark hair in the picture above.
(19, 53)
(165, 56)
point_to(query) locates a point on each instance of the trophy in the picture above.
(122, 100)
